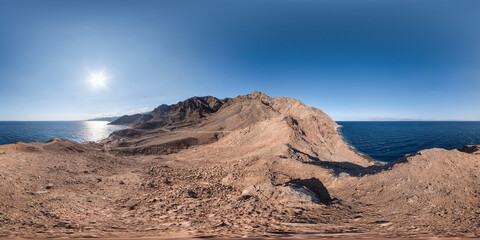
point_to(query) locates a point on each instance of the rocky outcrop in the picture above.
(470, 149)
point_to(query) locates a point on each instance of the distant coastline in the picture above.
(106, 119)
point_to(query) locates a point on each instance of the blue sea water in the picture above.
(388, 141)
(77, 131)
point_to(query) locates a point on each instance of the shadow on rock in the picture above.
(314, 185)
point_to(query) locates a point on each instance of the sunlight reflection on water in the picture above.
(95, 130)
(77, 131)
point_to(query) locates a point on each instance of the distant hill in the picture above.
(121, 120)
(129, 119)
(108, 119)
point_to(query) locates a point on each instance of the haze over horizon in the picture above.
(368, 60)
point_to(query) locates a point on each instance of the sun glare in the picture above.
(98, 79)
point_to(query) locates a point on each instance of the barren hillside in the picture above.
(248, 166)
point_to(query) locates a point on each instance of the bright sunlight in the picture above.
(98, 79)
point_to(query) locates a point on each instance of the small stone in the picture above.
(39, 192)
(192, 194)
(357, 218)
(166, 181)
(49, 186)
(384, 223)
(223, 224)
(244, 197)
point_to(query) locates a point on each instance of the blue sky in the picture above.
(355, 60)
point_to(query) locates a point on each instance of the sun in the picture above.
(98, 79)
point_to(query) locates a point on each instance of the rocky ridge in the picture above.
(253, 121)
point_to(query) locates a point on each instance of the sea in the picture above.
(389, 141)
(76, 131)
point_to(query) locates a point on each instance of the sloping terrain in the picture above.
(253, 121)
(248, 166)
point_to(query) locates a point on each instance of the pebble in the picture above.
(384, 223)
(39, 192)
